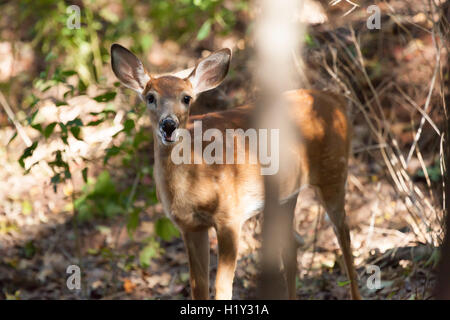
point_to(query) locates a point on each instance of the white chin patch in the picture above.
(172, 140)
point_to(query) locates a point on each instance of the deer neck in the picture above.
(163, 162)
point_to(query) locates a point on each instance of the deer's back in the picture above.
(215, 191)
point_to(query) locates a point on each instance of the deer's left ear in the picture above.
(210, 71)
(128, 68)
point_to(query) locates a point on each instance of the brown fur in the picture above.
(200, 196)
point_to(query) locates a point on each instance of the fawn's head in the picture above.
(169, 97)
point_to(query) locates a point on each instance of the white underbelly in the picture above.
(254, 204)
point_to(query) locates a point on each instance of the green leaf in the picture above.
(68, 92)
(133, 222)
(150, 251)
(146, 41)
(68, 73)
(12, 138)
(30, 119)
(26, 207)
(64, 138)
(434, 172)
(28, 152)
(58, 162)
(139, 137)
(104, 184)
(59, 103)
(343, 283)
(81, 86)
(63, 127)
(67, 174)
(38, 127)
(153, 196)
(46, 88)
(95, 123)
(63, 132)
(76, 132)
(50, 56)
(56, 178)
(166, 230)
(75, 122)
(204, 30)
(113, 209)
(105, 97)
(15, 296)
(111, 152)
(49, 129)
(34, 101)
(128, 125)
(310, 41)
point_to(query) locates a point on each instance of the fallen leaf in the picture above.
(128, 286)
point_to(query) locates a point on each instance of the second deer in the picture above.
(197, 197)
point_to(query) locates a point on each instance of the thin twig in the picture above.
(16, 123)
(427, 102)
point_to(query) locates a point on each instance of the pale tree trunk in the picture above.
(277, 37)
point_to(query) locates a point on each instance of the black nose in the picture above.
(168, 126)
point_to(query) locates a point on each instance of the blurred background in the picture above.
(76, 149)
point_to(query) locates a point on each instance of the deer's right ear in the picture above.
(128, 68)
(210, 71)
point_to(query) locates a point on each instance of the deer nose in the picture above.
(168, 126)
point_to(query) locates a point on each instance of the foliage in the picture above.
(81, 49)
(100, 197)
(151, 250)
(193, 15)
(59, 130)
(166, 230)
(78, 53)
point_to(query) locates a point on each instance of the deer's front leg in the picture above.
(228, 242)
(197, 246)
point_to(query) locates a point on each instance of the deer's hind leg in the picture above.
(333, 199)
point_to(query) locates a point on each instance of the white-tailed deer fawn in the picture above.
(200, 196)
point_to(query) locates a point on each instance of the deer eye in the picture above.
(186, 99)
(151, 98)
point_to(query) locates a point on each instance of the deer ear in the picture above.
(211, 71)
(128, 68)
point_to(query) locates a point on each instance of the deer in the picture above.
(197, 197)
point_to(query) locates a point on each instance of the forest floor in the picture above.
(37, 236)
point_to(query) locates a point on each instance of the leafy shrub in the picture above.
(100, 199)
